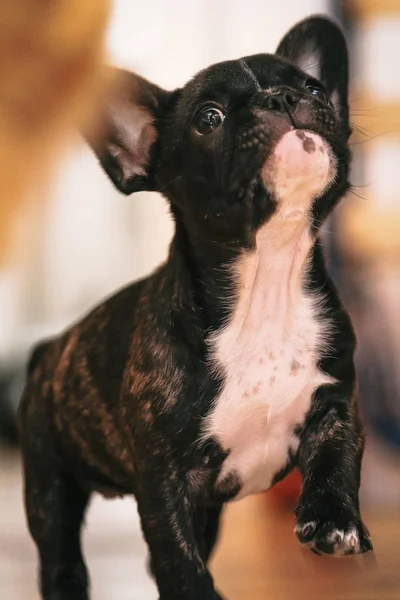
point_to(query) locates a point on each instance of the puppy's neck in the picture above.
(269, 279)
(216, 273)
(202, 267)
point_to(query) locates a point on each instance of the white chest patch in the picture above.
(269, 350)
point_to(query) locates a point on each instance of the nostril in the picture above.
(282, 102)
(274, 103)
(291, 99)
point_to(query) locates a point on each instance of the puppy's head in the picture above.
(242, 140)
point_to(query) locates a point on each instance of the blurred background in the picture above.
(69, 239)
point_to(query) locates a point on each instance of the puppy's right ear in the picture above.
(317, 45)
(127, 131)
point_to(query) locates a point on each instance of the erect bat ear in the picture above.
(127, 131)
(318, 47)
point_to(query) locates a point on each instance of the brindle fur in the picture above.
(116, 404)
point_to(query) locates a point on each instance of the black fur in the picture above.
(116, 404)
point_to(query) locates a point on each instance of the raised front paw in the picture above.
(340, 534)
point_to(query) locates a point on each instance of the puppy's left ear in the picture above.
(318, 47)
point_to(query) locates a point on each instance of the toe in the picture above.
(305, 531)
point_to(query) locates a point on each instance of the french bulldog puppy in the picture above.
(231, 364)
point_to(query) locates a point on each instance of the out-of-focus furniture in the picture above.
(368, 227)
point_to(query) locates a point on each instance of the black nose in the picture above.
(282, 102)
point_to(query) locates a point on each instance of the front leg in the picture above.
(167, 521)
(330, 454)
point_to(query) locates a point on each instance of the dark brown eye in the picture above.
(317, 91)
(208, 120)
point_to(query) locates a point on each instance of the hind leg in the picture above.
(55, 506)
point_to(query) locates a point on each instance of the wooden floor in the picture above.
(258, 557)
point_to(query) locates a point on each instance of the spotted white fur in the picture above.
(269, 350)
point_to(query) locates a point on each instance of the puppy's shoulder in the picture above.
(105, 328)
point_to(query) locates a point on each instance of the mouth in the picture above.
(299, 168)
